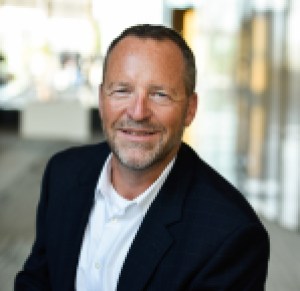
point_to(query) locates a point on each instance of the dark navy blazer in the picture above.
(199, 234)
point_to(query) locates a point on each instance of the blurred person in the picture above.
(143, 211)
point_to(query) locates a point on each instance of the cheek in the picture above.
(172, 121)
(109, 112)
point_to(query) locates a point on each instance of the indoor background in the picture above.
(247, 126)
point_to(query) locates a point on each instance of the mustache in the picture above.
(143, 124)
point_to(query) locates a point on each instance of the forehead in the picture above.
(146, 56)
(165, 50)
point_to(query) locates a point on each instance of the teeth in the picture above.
(139, 133)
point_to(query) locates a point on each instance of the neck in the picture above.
(131, 183)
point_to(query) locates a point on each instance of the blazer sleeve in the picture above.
(240, 263)
(34, 276)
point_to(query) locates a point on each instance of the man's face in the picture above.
(143, 102)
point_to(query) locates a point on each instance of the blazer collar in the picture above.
(80, 205)
(92, 166)
(153, 238)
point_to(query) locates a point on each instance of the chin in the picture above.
(137, 161)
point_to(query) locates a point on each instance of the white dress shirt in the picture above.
(113, 223)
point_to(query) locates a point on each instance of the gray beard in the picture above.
(152, 155)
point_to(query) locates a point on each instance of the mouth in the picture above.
(138, 135)
(138, 132)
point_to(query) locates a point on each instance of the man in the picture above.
(145, 212)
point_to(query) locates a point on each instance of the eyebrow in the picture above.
(121, 84)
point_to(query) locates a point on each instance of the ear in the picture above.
(191, 109)
(100, 96)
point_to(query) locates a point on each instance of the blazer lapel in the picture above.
(79, 207)
(144, 256)
(75, 223)
(153, 238)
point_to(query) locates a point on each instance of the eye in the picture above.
(161, 97)
(120, 92)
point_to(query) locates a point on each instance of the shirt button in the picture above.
(97, 266)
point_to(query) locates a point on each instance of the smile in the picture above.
(138, 135)
(138, 132)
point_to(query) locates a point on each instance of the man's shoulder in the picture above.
(212, 193)
(79, 157)
(82, 151)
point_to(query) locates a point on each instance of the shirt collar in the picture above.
(115, 203)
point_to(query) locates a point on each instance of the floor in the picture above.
(21, 166)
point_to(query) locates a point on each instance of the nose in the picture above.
(139, 108)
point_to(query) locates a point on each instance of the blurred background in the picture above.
(247, 126)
